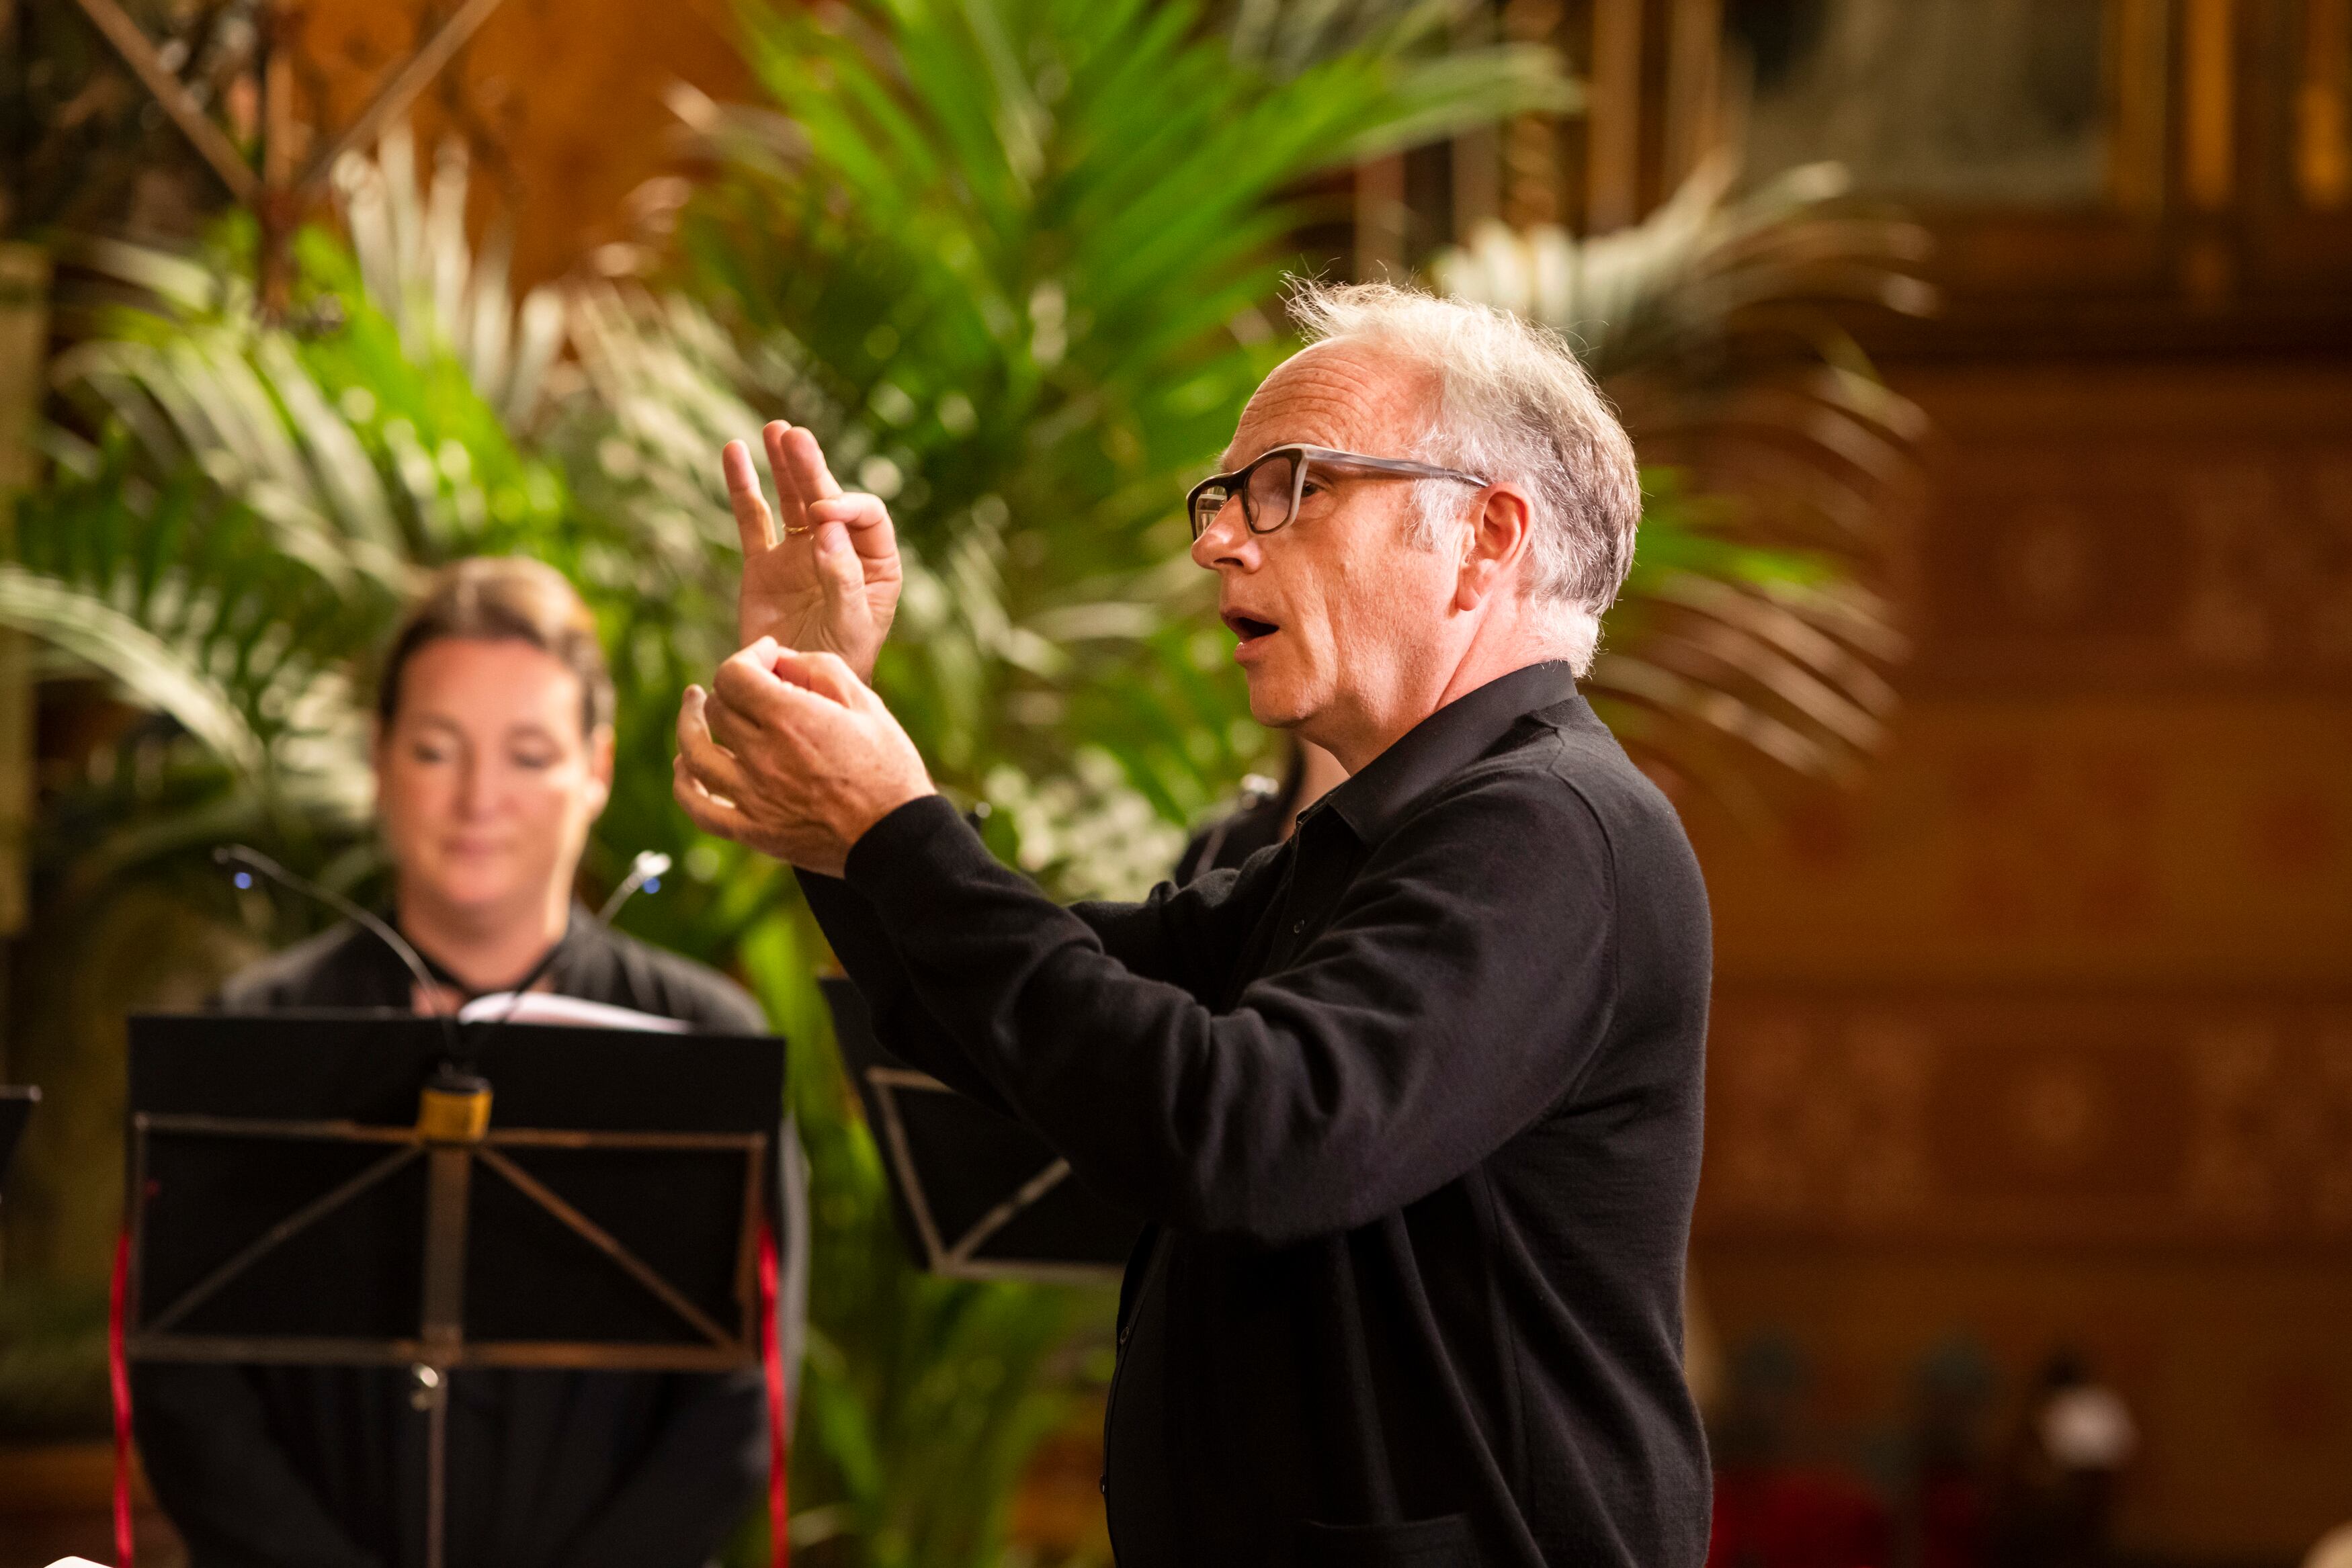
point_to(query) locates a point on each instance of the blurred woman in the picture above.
(493, 757)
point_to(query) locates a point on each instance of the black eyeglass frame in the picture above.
(1236, 484)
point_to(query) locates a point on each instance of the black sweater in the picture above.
(317, 1466)
(1412, 1103)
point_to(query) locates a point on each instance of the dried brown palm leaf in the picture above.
(1778, 466)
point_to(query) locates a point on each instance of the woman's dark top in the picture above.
(313, 1467)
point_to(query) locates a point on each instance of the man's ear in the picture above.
(1497, 541)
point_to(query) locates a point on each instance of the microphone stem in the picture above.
(255, 860)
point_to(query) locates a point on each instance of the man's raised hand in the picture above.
(829, 580)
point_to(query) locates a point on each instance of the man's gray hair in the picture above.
(1514, 405)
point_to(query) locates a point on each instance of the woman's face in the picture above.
(486, 787)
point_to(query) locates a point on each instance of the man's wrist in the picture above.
(863, 832)
(891, 839)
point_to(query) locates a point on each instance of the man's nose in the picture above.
(1226, 542)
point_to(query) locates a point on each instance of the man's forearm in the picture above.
(900, 1022)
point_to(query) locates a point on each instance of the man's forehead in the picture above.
(1342, 396)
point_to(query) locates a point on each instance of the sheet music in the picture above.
(546, 1007)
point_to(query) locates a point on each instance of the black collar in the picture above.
(1371, 802)
(576, 932)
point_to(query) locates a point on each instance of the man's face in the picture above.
(1338, 614)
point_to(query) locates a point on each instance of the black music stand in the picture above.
(978, 1196)
(374, 1188)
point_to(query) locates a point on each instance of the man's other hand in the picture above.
(829, 580)
(792, 754)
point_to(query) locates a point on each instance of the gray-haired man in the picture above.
(1412, 1100)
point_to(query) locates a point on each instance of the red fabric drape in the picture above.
(772, 1363)
(117, 1382)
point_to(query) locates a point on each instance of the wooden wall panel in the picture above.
(2044, 1035)
(2139, 1119)
(2066, 841)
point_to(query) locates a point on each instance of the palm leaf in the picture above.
(1776, 461)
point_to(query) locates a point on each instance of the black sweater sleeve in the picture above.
(899, 1019)
(1187, 936)
(1452, 996)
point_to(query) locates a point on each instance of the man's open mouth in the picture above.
(1248, 626)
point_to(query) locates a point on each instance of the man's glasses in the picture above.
(1276, 489)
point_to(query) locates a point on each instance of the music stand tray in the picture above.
(977, 1194)
(373, 1188)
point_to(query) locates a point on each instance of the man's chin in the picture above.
(1274, 703)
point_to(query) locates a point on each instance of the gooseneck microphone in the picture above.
(644, 875)
(646, 872)
(253, 860)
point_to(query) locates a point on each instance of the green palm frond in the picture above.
(419, 268)
(239, 509)
(173, 589)
(1774, 462)
(1015, 253)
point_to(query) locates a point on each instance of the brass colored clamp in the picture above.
(453, 1111)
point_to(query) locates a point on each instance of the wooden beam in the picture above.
(1532, 193)
(1478, 153)
(2323, 118)
(2137, 161)
(2209, 58)
(1381, 216)
(1614, 125)
(173, 95)
(401, 91)
(1693, 85)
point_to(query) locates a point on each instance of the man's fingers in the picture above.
(750, 682)
(754, 524)
(730, 729)
(842, 578)
(712, 765)
(802, 477)
(866, 519)
(791, 695)
(806, 460)
(711, 815)
(823, 673)
(789, 494)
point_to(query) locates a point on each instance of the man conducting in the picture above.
(1410, 1100)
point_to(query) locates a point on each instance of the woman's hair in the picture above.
(496, 597)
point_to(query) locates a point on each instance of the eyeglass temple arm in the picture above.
(1385, 464)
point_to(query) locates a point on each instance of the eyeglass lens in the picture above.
(1265, 489)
